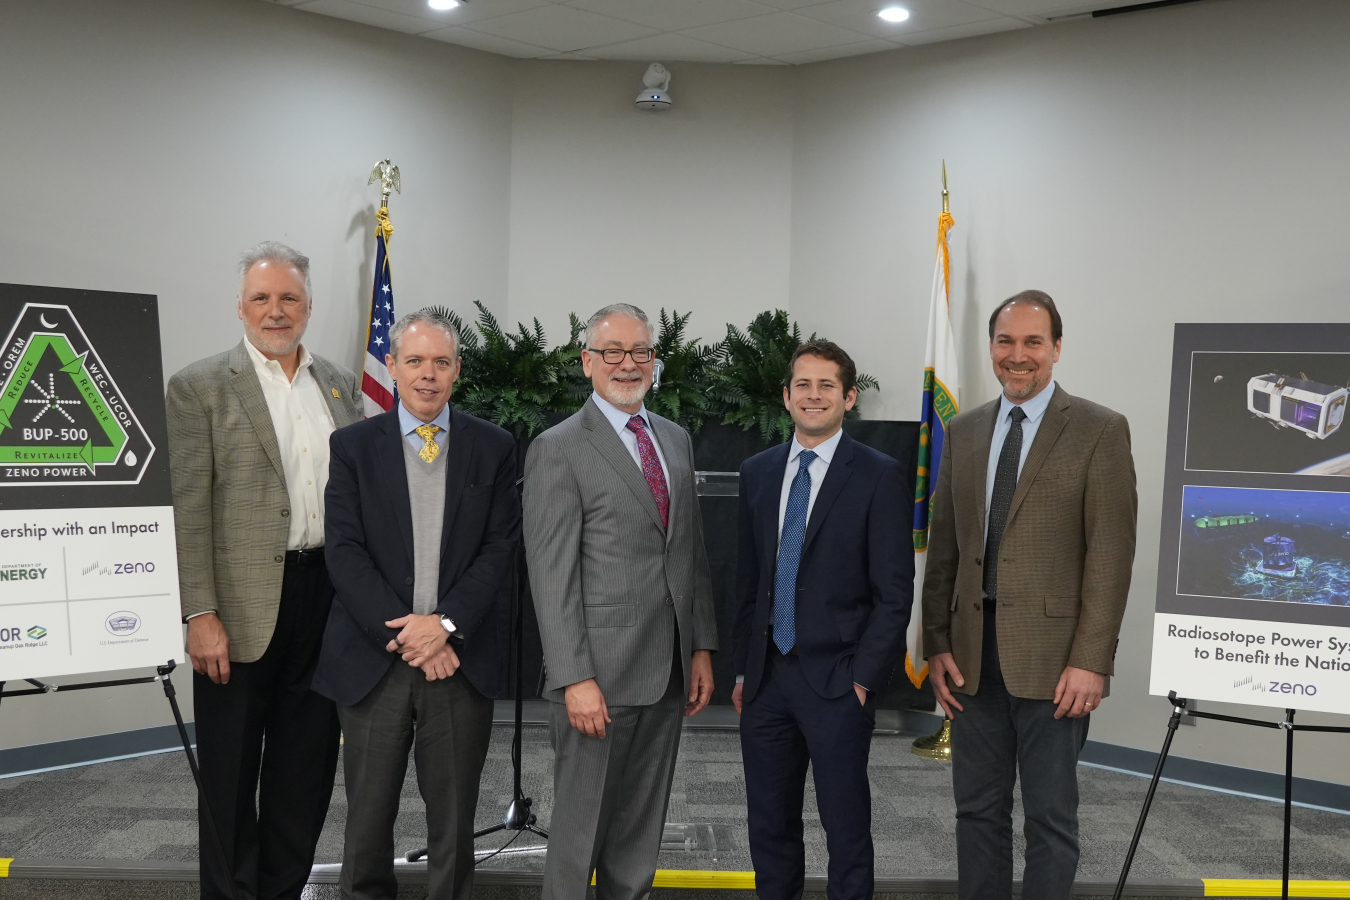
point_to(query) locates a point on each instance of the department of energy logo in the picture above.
(63, 420)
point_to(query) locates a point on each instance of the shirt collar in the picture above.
(410, 423)
(270, 368)
(824, 450)
(617, 417)
(1034, 408)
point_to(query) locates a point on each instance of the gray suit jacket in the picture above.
(609, 584)
(1066, 554)
(230, 504)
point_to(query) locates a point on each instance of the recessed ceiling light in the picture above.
(446, 4)
(894, 13)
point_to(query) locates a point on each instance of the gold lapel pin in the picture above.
(336, 395)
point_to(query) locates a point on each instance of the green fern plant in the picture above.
(686, 379)
(747, 378)
(513, 378)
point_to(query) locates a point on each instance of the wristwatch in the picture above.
(449, 625)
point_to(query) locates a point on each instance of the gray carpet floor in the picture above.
(145, 809)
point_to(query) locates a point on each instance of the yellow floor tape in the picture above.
(4, 867)
(689, 878)
(1272, 887)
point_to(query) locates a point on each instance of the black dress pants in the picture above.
(268, 748)
(786, 726)
(997, 737)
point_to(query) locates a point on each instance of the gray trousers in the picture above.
(997, 736)
(609, 798)
(447, 724)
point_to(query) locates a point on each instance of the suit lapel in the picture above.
(394, 471)
(979, 463)
(771, 499)
(1052, 425)
(331, 385)
(669, 436)
(244, 381)
(459, 446)
(836, 476)
(612, 450)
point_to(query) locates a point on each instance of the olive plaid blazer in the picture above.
(230, 505)
(1066, 554)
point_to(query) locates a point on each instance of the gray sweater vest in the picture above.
(426, 491)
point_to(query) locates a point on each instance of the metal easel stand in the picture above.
(1178, 710)
(161, 675)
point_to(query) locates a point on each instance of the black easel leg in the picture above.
(164, 672)
(1178, 709)
(1288, 791)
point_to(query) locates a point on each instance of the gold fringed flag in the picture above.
(940, 403)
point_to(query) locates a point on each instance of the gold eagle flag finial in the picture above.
(386, 173)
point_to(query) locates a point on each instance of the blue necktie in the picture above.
(790, 555)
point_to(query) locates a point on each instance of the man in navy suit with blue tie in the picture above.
(824, 583)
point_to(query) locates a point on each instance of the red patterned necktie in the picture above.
(651, 468)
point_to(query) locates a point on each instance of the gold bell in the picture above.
(937, 745)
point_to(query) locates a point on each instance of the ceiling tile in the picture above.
(790, 4)
(368, 15)
(924, 15)
(581, 56)
(775, 34)
(761, 61)
(809, 56)
(466, 12)
(492, 43)
(673, 16)
(1044, 9)
(956, 32)
(562, 28)
(670, 48)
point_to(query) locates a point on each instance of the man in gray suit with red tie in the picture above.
(621, 588)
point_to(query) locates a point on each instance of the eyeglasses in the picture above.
(614, 356)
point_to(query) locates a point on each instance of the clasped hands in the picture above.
(586, 708)
(424, 644)
(1078, 692)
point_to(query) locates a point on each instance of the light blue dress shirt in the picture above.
(619, 419)
(819, 466)
(1035, 409)
(410, 423)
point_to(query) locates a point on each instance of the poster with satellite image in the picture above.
(1253, 593)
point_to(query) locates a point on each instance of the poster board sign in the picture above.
(1253, 600)
(88, 564)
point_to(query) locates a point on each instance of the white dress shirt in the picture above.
(619, 419)
(302, 422)
(819, 466)
(1035, 409)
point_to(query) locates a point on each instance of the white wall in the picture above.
(1184, 165)
(686, 209)
(1179, 165)
(147, 142)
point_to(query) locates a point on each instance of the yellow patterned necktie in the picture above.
(430, 450)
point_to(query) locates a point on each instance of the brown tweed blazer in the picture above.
(230, 504)
(1065, 559)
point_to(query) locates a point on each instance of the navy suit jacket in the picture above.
(368, 540)
(855, 583)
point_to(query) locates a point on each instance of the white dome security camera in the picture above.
(655, 85)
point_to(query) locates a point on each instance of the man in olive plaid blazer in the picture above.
(248, 452)
(1028, 571)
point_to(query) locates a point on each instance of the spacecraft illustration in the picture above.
(1277, 557)
(1311, 407)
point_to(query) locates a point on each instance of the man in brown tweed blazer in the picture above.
(248, 452)
(1029, 562)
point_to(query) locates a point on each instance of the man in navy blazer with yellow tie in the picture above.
(824, 582)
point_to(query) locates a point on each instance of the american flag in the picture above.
(377, 386)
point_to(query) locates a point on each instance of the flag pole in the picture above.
(938, 745)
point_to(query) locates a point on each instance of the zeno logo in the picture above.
(123, 623)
